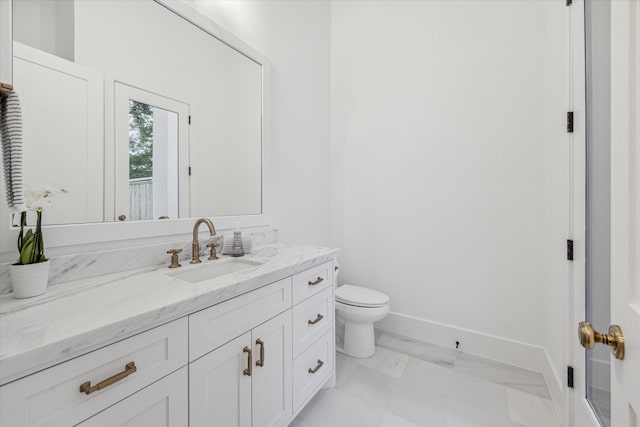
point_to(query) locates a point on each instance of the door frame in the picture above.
(579, 410)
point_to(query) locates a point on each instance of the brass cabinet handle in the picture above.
(315, 282)
(260, 362)
(122, 217)
(247, 371)
(129, 369)
(589, 337)
(319, 318)
(317, 368)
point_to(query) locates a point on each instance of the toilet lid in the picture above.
(361, 297)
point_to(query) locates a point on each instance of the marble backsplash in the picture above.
(66, 268)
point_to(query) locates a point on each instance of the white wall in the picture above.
(295, 36)
(449, 162)
(45, 25)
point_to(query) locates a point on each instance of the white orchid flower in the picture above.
(38, 200)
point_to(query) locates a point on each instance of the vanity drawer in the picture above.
(217, 325)
(52, 397)
(163, 403)
(311, 319)
(312, 369)
(312, 281)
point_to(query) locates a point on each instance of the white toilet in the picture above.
(358, 308)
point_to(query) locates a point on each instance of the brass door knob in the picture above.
(614, 339)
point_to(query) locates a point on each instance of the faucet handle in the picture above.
(213, 247)
(174, 258)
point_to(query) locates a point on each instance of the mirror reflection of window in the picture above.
(153, 162)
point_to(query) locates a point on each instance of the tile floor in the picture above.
(409, 384)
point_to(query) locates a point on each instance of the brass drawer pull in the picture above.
(317, 368)
(315, 282)
(129, 369)
(319, 318)
(260, 362)
(247, 371)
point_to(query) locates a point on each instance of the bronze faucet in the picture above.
(195, 245)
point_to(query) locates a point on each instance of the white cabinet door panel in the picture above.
(219, 392)
(271, 383)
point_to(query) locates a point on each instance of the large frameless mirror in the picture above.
(138, 112)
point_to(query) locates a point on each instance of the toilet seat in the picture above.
(360, 297)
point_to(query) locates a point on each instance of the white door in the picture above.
(625, 208)
(220, 386)
(152, 172)
(271, 386)
(163, 403)
(622, 406)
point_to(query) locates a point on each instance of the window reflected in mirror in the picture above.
(153, 162)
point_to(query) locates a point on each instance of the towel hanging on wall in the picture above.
(11, 132)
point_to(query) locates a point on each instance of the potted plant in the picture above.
(30, 275)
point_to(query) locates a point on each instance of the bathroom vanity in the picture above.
(141, 348)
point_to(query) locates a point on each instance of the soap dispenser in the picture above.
(237, 249)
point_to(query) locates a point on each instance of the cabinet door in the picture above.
(271, 384)
(219, 391)
(163, 403)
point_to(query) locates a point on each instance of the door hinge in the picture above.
(189, 170)
(570, 376)
(569, 2)
(189, 119)
(569, 249)
(570, 121)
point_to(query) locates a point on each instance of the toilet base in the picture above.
(359, 340)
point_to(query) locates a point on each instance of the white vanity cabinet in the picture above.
(264, 376)
(246, 382)
(251, 361)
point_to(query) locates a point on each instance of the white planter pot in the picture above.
(29, 280)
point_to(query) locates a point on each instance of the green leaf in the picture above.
(29, 236)
(26, 255)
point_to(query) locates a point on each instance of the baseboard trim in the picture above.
(511, 352)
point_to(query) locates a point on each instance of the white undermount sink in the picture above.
(213, 269)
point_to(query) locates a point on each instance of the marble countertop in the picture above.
(76, 317)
